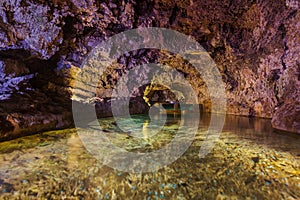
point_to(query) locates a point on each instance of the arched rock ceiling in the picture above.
(255, 44)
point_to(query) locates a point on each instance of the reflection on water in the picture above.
(258, 130)
(249, 161)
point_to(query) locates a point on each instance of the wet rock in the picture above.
(250, 179)
(255, 159)
(6, 187)
(287, 117)
(268, 182)
(45, 114)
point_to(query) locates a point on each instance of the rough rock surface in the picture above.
(254, 44)
(33, 112)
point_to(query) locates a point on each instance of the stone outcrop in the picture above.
(256, 46)
(33, 112)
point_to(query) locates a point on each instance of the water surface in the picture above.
(248, 161)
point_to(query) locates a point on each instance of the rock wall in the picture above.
(255, 44)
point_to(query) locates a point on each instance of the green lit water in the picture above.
(248, 161)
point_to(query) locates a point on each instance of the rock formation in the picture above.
(255, 44)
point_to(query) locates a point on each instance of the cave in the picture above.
(154, 99)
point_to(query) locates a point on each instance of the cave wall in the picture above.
(255, 44)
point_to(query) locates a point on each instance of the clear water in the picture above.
(249, 161)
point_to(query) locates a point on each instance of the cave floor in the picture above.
(248, 161)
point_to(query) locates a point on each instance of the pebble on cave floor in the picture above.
(237, 168)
